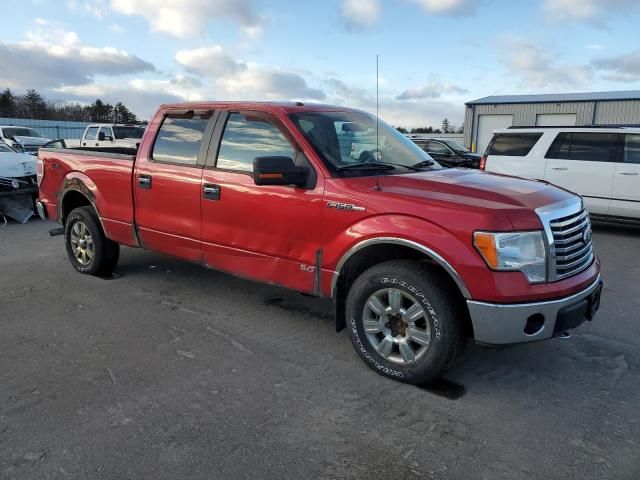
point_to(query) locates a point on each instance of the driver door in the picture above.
(105, 137)
(271, 232)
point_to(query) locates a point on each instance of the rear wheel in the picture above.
(88, 248)
(405, 321)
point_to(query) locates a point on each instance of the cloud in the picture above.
(360, 14)
(139, 96)
(238, 79)
(95, 8)
(394, 111)
(447, 7)
(593, 11)
(537, 66)
(186, 18)
(209, 61)
(434, 89)
(52, 57)
(623, 68)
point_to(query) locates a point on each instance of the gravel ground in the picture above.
(172, 371)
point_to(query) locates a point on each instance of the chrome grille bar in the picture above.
(568, 230)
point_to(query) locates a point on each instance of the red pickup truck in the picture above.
(331, 202)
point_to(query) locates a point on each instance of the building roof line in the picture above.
(558, 98)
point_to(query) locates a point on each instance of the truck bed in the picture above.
(102, 176)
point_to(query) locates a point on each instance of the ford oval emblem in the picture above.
(587, 235)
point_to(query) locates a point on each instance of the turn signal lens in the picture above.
(486, 245)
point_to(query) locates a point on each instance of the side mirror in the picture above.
(279, 171)
(101, 137)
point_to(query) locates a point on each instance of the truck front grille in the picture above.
(573, 246)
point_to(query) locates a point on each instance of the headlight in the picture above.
(514, 251)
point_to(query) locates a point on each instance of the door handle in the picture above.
(144, 181)
(560, 168)
(628, 173)
(211, 191)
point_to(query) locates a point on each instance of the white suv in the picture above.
(600, 164)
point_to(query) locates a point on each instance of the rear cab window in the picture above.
(179, 139)
(513, 144)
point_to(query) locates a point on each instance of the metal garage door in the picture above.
(486, 125)
(555, 119)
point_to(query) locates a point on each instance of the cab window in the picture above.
(247, 137)
(179, 139)
(632, 148)
(91, 133)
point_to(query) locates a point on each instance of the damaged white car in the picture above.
(18, 184)
(22, 139)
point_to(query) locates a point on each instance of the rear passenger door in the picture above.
(167, 185)
(583, 162)
(625, 200)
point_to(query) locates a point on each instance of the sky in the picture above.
(435, 55)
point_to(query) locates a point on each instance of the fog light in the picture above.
(15, 184)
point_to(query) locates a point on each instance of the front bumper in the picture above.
(500, 324)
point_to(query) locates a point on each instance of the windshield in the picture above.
(20, 132)
(456, 147)
(128, 132)
(347, 140)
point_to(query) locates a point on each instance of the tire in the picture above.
(88, 248)
(423, 317)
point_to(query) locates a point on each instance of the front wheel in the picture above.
(88, 248)
(405, 321)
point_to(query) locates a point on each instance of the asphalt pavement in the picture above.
(172, 371)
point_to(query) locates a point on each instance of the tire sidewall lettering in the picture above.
(422, 298)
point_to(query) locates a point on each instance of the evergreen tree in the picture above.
(446, 128)
(8, 104)
(34, 104)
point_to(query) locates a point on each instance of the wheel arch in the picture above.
(76, 193)
(370, 252)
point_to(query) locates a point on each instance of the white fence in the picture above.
(53, 129)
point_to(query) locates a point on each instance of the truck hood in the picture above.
(17, 165)
(475, 189)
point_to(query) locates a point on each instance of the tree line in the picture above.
(34, 105)
(446, 127)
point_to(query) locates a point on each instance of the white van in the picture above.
(600, 164)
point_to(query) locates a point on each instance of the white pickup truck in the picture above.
(108, 135)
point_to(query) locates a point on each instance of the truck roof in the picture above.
(286, 107)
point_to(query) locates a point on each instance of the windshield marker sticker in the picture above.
(348, 207)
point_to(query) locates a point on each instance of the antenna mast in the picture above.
(377, 118)
(377, 104)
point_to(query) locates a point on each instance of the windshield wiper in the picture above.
(367, 166)
(423, 164)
